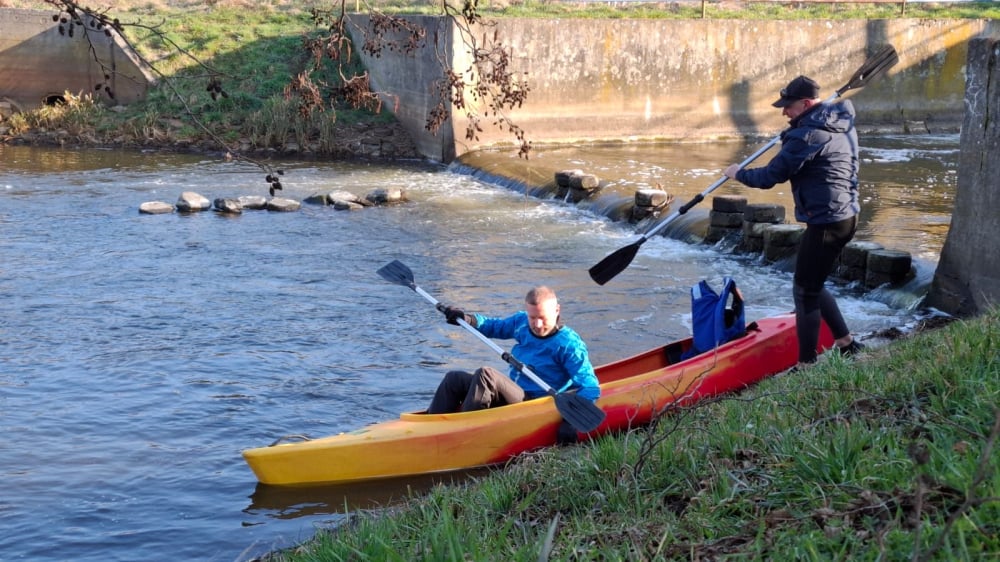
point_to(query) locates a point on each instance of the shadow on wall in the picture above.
(39, 63)
(685, 80)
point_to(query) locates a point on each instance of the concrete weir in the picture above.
(39, 64)
(695, 80)
(679, 80)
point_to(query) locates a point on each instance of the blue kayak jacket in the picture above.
(560, 359)
(819, 156)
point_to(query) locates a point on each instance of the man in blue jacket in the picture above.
(552, 351)
(819, 156)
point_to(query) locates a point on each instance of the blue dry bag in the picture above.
(716, 318)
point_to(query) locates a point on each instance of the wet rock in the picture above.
(316, 199)
(191, 202)
(884, 266)
(156, 208)
(231, 206)
(725, 218)
(283, 205)
(347, 206)
(649, 203)
(563, 177)
(656, 198)
(342, 198)
(764, 212)
(729, 204)
(386, 196)
(253, 202)
(781, 241)
(585, 182)
(853, 262)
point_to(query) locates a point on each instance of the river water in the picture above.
(139, 354)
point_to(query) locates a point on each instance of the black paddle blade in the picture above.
(397, 272)
(579, 412)
(606, 269)
(881, 61)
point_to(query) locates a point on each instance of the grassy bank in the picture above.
(255, 49)
(252, 51)
(893, 456)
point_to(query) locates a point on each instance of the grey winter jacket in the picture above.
(819, 155)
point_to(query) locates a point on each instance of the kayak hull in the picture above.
(633, 390)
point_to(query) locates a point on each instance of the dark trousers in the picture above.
(464, 392)
(818, 251)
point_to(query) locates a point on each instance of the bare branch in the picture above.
(72, 15)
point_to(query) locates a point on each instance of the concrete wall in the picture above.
(615, 79)
(967, 280)
(407, 82)
(36, 61)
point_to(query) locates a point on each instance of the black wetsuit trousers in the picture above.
(818, 251)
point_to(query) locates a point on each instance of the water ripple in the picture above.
(140, 354)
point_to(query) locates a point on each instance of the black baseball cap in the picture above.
(801, 88)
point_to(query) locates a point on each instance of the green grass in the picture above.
(255, 49)
(893, 456)
(254, 54)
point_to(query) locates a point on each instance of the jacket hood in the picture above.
(834, 117)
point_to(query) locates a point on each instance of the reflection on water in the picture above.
(139, 354)
(290, 502)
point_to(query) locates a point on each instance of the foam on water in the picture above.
(142, 353)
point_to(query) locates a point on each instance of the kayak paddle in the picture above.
(579, 412)
(616, 262)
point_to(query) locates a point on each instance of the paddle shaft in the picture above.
(701, 196)
(617, 261)
(510, 359)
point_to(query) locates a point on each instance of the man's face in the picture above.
(798, 108)
(542, 317)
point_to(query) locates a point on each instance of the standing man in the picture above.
(819, 156)
(552, 351)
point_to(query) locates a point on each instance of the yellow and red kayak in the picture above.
(632, 391)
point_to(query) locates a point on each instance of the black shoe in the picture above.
(566, 434)
(800, 366)
(852, 349)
